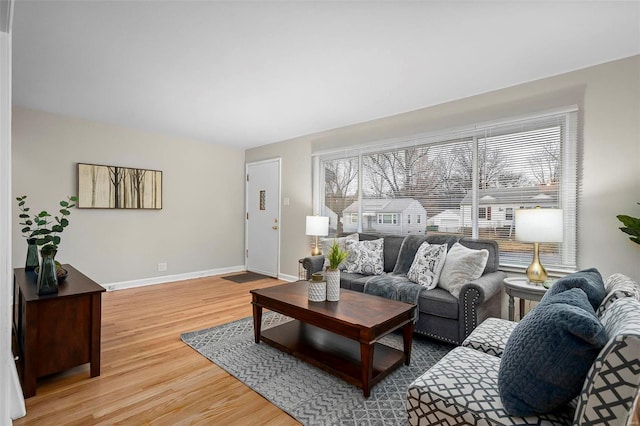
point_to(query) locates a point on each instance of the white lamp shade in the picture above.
(539, 225)
(317, 225)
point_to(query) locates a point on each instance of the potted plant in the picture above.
(631, 227)
(335, 256)
(40, 230)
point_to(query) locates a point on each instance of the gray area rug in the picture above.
(310, 395)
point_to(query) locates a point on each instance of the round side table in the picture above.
(521, 288)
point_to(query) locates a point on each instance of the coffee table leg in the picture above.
(407, 339)
(366, 357)
(257, 321)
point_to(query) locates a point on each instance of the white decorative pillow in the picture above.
(327, 243)
(461, 266)
(427, 265)
(365, 257)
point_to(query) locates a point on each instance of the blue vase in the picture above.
(47, 277)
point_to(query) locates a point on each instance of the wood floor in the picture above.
(148, 375)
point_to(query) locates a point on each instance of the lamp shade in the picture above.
(317, 225)
(539, 225)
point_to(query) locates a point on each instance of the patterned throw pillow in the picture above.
(427, 265)
(327, 243)
(461, 266)
(365, 257)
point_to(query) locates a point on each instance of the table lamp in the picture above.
(538, 226)
(317, 226)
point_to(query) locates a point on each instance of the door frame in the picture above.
(277, 160)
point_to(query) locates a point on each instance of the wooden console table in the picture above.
(55, 332)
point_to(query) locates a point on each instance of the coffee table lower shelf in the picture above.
(335, 354)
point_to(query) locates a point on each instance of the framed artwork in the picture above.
(113, 187)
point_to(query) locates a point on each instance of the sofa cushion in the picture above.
(549, 353)
(427, 265)
(491, 336)
(438, 302)
(327, 243)
(347, 280)
(365, 257)
(407, 254)
(392, 245)
(618, 286)
(461, 266)
(589, 280)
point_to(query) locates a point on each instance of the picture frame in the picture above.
(115, 187)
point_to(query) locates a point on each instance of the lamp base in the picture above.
(536, 272)
(316, 251)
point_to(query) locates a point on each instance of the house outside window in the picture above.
(467, 181)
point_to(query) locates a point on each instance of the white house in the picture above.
(446, 221)
(333, 219)
(397, 216)
(497, 206)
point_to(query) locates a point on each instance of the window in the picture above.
(468, 181)
(508, 215)
(409, 219)
(388, 219)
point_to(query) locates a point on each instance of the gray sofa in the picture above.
(441, 315)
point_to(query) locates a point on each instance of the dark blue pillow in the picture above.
(549, 353)
(589, 280)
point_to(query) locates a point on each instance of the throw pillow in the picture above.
(365, 257)
(589, 280)
(327, 243)
(461, 266)
(427, 265)
(549, 353)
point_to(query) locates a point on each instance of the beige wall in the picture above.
(200, 227)
(608, 96)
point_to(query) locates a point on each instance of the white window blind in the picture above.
(467, 182)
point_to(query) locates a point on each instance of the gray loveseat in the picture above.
(441, 315)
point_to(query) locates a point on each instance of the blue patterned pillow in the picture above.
(549, 353)
(589, 280)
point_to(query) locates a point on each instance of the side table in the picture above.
(521, 288)
(55, 332)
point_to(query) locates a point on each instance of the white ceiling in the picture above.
(252, 73)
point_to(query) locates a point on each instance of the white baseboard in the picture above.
(285, 277)
(171, 278)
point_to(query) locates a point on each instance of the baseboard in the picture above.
(171, 278)
(285, 277)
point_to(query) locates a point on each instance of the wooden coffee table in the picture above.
(339, 337)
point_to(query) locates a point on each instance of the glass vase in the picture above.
(47, 277)
(32, 255)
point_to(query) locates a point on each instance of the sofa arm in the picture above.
(473, 301)
(313, 264)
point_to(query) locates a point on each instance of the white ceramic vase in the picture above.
(333, 284)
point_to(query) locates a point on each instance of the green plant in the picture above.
(41, 227)
(336, 255)
(631, 227)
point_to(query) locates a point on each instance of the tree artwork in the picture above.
(115, 187)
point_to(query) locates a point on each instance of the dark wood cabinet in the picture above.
(55, 332)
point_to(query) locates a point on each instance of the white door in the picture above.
(263, 217)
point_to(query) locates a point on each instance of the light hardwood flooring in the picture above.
(148, 375)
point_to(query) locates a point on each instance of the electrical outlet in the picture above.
(162, 267)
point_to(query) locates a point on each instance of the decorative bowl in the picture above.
(60, 272)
